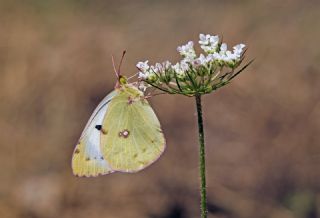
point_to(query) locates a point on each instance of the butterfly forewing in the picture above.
(133, 138)
(87, 158)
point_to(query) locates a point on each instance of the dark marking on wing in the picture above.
(130, 100)
(77, 151)
(124, 133)
(87, 159)
(99, 127)
(104, 132)
(99, 111)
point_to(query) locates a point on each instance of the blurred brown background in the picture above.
(262, 131)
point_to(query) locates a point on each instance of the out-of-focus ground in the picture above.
(262, 131)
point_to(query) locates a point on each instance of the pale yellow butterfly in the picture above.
(123, 134)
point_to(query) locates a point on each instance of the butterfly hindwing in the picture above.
(133, 138)
(87, 158)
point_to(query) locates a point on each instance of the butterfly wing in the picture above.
(87, 157)
(133, 138)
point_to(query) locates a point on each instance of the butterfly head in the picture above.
(122, 80)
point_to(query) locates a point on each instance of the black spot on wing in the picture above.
(99, 127)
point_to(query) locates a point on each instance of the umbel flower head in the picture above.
(195, 75)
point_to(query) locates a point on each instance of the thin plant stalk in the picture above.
(195, 76)
(202, 159)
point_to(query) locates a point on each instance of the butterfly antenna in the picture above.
(123, 53)
(114, 67)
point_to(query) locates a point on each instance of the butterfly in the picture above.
(123, 134)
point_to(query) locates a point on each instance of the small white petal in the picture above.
(209, 58)
(184, 66)
(142, 75)
(143, 66)
(223, 48)
(154, 69)
(187, 51)
(216, 56)
(180, 68)
(238, 49)
(158, 67)
(201, 60)
(166, 64)
(208, 43)
(214, 40)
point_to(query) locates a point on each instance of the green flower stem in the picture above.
(203, 188)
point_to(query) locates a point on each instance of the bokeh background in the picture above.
(262, 131)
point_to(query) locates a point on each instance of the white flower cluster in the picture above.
(187, 51)
(208, 43)
(217, 54)
(151, 72)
